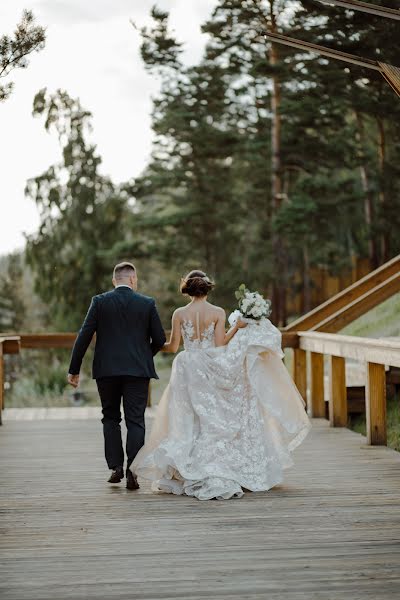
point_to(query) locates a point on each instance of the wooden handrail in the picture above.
(325, 310)
(383, 352)
(338, 311)
(372, 9)
(46, 341)
(361, 305)
(9, 344)
(375, 353)
(391, 73)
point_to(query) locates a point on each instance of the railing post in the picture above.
(375, 404)
(338, 393)
(317, 385)
(1, 380)
(300, 371)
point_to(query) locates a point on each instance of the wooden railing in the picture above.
(353, 301)
(11, 344)
(46, 341)
(375, 353)
(8, 345)
(340, 310)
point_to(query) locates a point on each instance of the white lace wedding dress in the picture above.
(228, 419)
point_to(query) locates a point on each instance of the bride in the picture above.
(230, 415)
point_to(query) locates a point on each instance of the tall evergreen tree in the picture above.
(82, 214)
(12, 308)
(14, 51)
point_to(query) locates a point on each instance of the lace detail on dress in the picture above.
(201, 342)
(229, 418)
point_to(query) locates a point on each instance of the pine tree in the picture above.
(14, 51)
(82, 215)
(12, 307)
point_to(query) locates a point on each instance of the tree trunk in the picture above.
(385, 249)
(306, 281)
(279, 293)
(368, 194)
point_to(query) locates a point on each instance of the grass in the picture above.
(381, 321)
(393, 423)
(42, 382)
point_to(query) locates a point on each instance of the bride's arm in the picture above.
(222, 338)
(175, 337)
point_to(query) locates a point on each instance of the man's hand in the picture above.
(73, 380)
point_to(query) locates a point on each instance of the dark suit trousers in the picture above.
(134, 392)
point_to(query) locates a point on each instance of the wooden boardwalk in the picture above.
(332, 531)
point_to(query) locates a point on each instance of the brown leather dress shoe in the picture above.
(131, 481)
(116, 475)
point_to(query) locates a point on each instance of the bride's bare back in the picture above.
(203, 316)
(198, 317)
(200, 322)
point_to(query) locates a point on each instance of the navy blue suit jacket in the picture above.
(128, 334)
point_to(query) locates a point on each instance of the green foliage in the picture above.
(28, 38)
(12, 307)
(241, 292)
(158, 46)
(205, 199)
(82, 215)
(358, 423)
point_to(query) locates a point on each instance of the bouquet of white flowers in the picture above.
(252, 306)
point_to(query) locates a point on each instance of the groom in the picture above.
(128, 334)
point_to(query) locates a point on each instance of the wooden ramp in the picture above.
(330, 532)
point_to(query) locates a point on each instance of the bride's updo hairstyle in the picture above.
(196, 284)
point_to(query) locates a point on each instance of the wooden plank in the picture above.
(11, 344)
(279, 38)
(317, 385)
(300, 371)
(1, 380)
(375, 405)
(385, 352)
(66, 340)
(366, 7)
(329, 532)
(346, 296)
(360, 306)
(47, 340)
(391, 75)
(338, 395)
(290, 339)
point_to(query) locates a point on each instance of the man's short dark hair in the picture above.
(123, 269)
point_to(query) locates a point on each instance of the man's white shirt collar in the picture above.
(123, 285)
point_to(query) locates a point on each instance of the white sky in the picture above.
(92, 52)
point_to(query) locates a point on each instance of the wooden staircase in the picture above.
(330, 317)
(352, 302)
